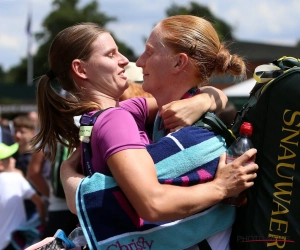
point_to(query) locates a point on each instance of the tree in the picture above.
(2, 74)
(17, 74)
(65, 13)
(224, 30)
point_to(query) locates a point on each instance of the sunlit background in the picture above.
(261, 30)
(269, 21)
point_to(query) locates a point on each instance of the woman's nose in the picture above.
(140, 61)
(124, 61)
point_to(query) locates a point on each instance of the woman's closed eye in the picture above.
(111, 55)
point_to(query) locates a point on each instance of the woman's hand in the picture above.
(235, 177)
(182, 113)
(186, 112)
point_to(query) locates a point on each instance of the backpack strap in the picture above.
(211, 122)
(86, 126)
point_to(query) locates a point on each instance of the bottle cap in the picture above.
(246, 129)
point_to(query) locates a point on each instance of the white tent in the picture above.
(241, 89)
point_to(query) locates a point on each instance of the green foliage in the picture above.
(64, 14)
(2, 74)
(224, 30)
(16, 74)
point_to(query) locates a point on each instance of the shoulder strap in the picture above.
(211, 122)
(86, 126)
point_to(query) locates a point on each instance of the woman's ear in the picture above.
(180, 62)
(78, 68)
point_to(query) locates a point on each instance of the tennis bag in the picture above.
(271, 217)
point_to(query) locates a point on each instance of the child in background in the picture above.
(24, 130)
(14, 189)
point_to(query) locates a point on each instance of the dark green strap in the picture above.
(203, 245)
(269, 74)
(211, 122)
(287, 62)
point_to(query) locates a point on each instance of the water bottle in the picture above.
(77, 237)
(242, 144)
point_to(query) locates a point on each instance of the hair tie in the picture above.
(51, 75)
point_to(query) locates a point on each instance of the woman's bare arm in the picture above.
(182, 113)
(40, 206)
(135, 173)
(71, 177)
(215, 97)
(35, 173)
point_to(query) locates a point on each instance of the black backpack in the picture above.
(271, 217)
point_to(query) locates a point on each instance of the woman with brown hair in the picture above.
(94, 76)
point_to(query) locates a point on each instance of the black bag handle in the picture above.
(211, 122)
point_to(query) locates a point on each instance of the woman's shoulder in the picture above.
(115, 126)
(109, 112)
(115, 116)
(138, 107)
(133, 106)
(137, 103)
